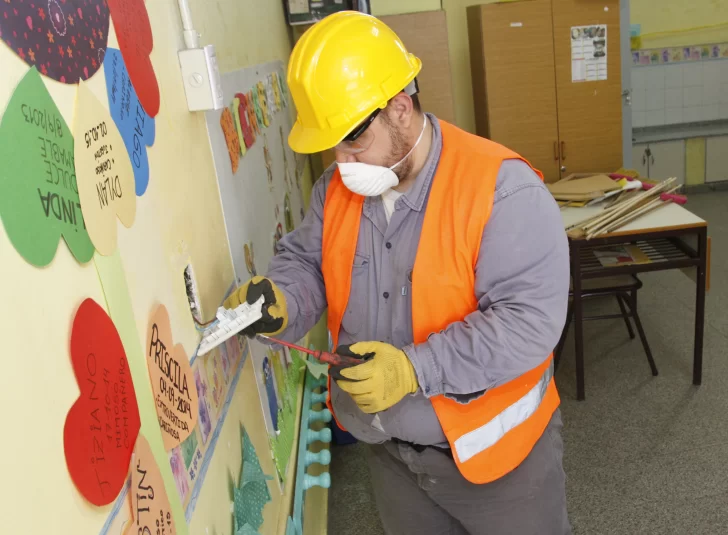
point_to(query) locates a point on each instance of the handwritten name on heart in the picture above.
(175, 395)
(103, 170)
(137, 128)
(134, 33)
(39, 199)
(150, 509)
(102, 425)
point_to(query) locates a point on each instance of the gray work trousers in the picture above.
(425, 494)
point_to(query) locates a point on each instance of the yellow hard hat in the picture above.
(342, 69)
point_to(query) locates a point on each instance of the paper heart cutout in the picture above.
(150, 508)
(39, 199)
(248, 132)
(137, 128)
(50, 36)
(241, 120)
(103, 171)
(102, 425)
(263, 103)
(253, 97)
(270, 94)
(227, 123)
(173, 383)
(284, 92)
(235, 111)
(134, 33)
(276, 90)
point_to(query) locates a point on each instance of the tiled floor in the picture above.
(643, 455)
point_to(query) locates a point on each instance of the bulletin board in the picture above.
(254, 195)
(262, 200)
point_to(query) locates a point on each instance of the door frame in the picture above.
(626, 53)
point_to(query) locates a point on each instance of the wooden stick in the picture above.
(630, 200)
(630, 215)
(657, 203)
(627, 206)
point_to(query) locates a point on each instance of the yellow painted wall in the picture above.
(178, 220)
(680, 22)
(695, 161)
(380, 8)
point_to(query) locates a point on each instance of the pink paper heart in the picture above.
(80, 13)
(29, 21)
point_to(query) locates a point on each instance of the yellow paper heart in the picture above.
(104, 172)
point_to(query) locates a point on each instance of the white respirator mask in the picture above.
(373, 180)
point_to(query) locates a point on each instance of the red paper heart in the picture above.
(134, 34)
(102, 425)
(248, 133)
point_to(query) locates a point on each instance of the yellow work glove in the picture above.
(384, 379)
(275, 313)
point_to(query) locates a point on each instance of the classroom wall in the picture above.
(178, 220)
(678, 23)
(664, 23)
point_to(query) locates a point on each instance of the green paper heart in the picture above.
(38, 193)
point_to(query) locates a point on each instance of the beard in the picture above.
(400, 147)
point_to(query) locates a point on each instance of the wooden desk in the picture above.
(672, 238)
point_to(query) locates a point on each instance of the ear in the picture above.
(401, 110)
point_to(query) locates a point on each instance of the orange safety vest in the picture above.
(491, 435)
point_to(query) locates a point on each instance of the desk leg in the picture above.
(578, 318)
(700, 307)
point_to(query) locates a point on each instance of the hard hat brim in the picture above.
(310, 140)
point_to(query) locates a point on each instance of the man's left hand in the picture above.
(382, 380)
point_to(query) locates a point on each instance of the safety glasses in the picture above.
(361, 138)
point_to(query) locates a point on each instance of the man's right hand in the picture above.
(275, 312)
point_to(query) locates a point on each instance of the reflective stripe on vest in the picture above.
(493, 434)
(482, 438)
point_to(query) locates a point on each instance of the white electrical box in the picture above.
(201, 78)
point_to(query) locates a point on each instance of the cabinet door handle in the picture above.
(556, 151)
(563, 150)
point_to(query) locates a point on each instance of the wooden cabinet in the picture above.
(667, 159)
(521, 60)
(660, 160)
(716, 159)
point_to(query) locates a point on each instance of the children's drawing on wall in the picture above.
(284, 150)
(225, 350)
(277, 235)
(179, 473)
(49, 34)
(213, 369)
(268, 162)
(288, 214)
(204, 421)
(250, 258)
(279, 366)
(188, 448)
(270, 388)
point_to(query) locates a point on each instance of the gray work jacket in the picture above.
(521, 283)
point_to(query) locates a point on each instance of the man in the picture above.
(443, 263)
